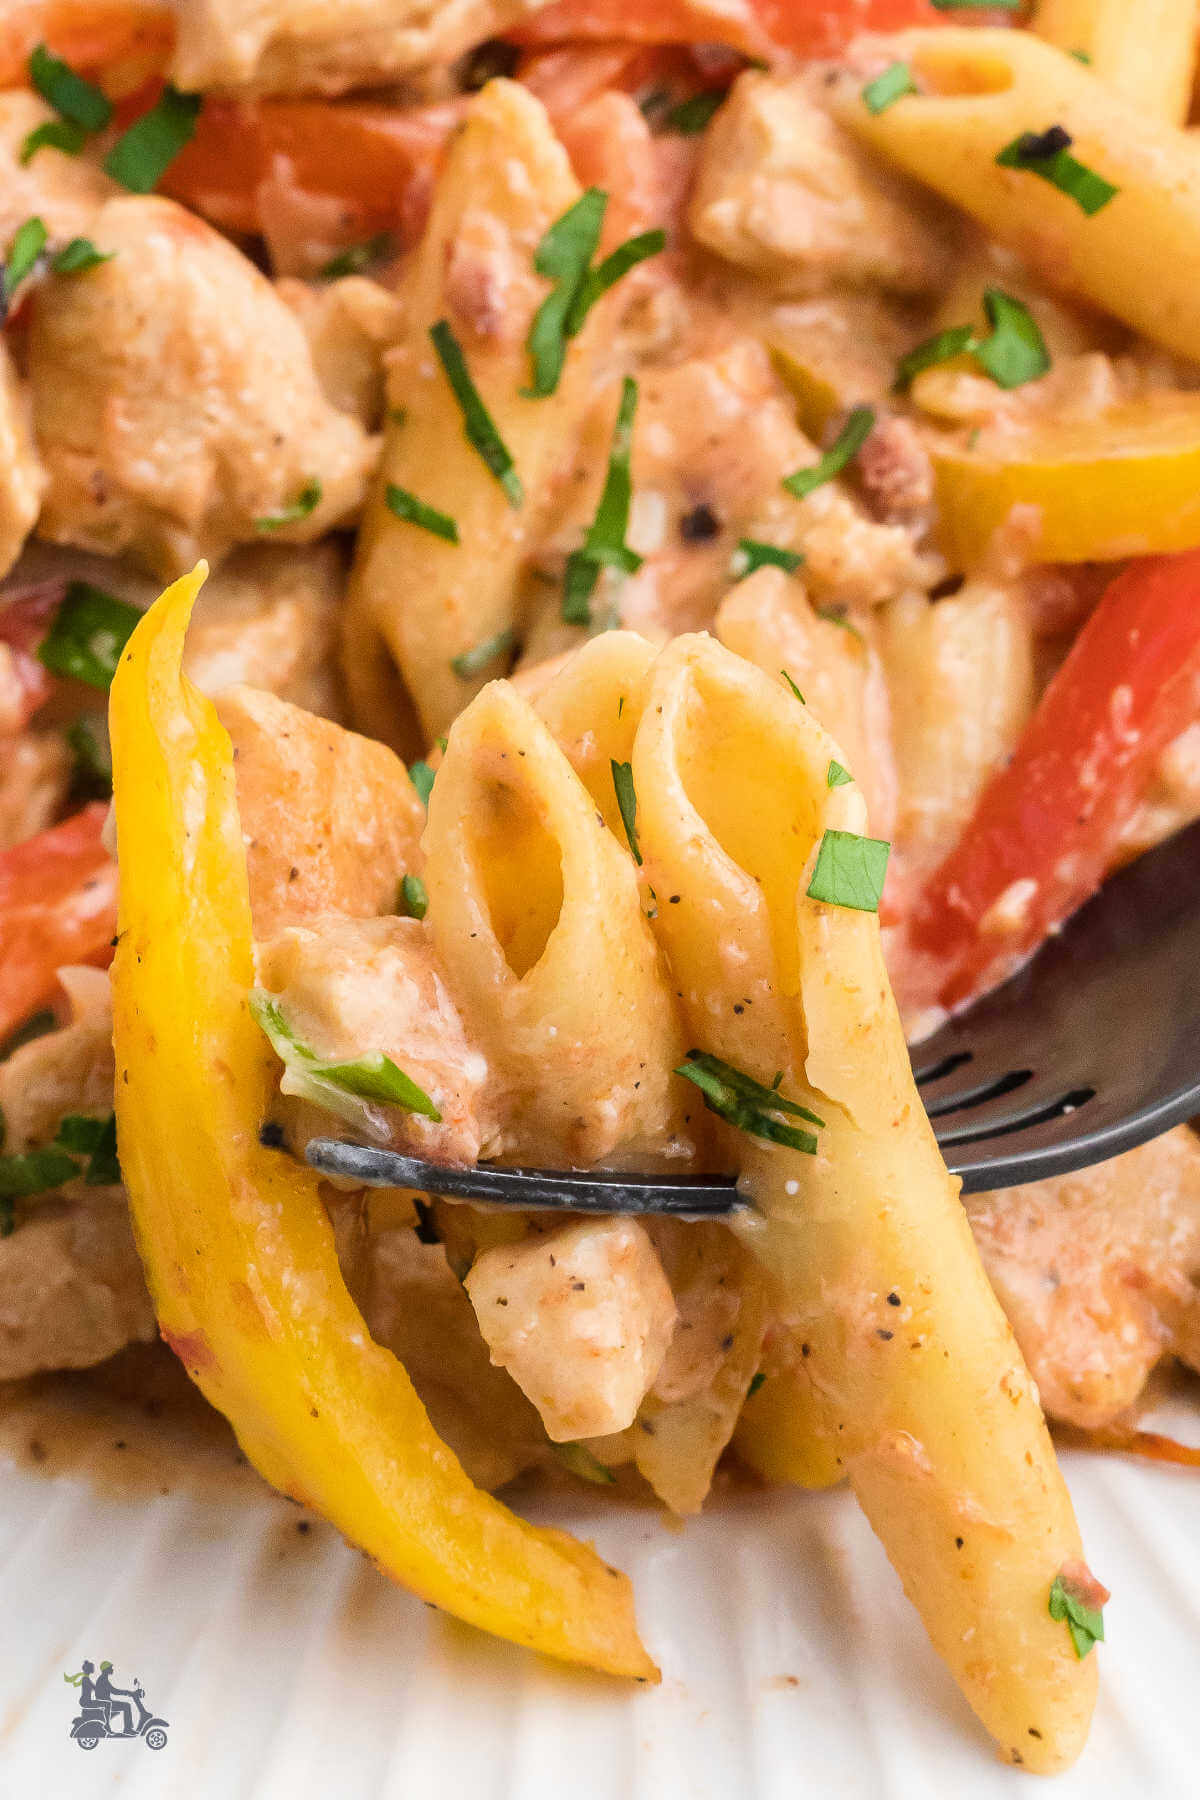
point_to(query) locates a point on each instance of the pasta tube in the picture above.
(1138, 256)
(422, 596)
(916, 1379)
(238, 1248)
(1147, 52)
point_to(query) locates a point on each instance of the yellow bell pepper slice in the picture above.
(1124, 484)
(238, 1249)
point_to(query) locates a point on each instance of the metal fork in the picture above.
(1093, 1048)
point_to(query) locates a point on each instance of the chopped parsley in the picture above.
(1048, 155)
(564, 256)
(849, 871)
(746, 1103)
(605, 546)
(373, 1077)
(622, 775)
(41, 1171)
(792, 685)
(836, 615)
(1082, 56)
(69, 94)
(756, 1382)
(472, 662)
(477, 420)
(413, 900)
(90, 630)
(357, 258)
(860, 422)
(34, 1172)
(422, 777)
(1012, 353)
(91, 773)
(54, 134)
(837, 775)
(29, 241)
(580, 1461)
(78, 255)
(752, 554)
(690, 117)
(96, 1139)
(142, 155)
(302, 507)
(403, 505)
(895, 81)
(1085, 1623)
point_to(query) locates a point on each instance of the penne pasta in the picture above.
(1147, 52)
(916, 1379)
(1138, 256)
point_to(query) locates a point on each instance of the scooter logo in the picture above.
(107, 1711)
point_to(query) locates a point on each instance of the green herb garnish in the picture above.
(860, 422)
(373, 1077)
(886, 89)
(564, 256)
(606, 274)
(421, 776)
(1013, 352)
(97, 1140)
(622, 776)
(746, 1103)
(756, 1382)
(1085, 1623)
(477, 421)
(470, 662)
(580, 1461)
(837, 775)
(1047, 154)
(91, 757)
(357, 258)
(90, 630)
(752, 554)
(28, 243)
(302, 507)
(35, 1172)
(792, 685)
(412, 511)
(142, 155)
(849, 871)
(412, 901)
(78, 255)
(605, 546)
(54, 134)
(690, 117)
(68, 93)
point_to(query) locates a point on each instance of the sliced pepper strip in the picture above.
(237, 1246)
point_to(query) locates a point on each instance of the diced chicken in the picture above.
(1099, 1274)
(351, 987)
(65, 192)
(22, 478)
(782, 191)
(895, 471)
(330, 819)
(416, 1306)
(581, 1319)
(71, 1286)
(349, 324)
(328, 46)
(175, 401)
(767, 619)
(270, 618)
(35, 773)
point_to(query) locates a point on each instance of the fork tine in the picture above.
(682, 1196)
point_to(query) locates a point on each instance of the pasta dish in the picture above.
(679, 527)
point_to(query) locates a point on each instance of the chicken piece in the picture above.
(270, 618)
(581, 1319)
(349, 324)
(351, 987)
(65, 192)
(35, 773)
(767, 619)
(71, 1285)
(22, 477)
(175, 400)
(1099, 1273)
(331, 820)
(328, 46)
(783, 192)
(415, 1305)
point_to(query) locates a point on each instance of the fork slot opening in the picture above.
(1041, 1115)
(977, 1096)
(945, 1066)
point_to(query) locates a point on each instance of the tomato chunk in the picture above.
(58, 904)
(123, 40)
(1048, 827)
(756, 27)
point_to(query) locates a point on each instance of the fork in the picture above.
(1091, 1049)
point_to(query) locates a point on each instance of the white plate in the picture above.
(287, 1668)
